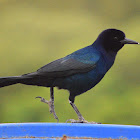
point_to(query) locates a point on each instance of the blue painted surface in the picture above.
(50, 130)
(47, 139)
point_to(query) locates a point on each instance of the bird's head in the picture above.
(114, 40)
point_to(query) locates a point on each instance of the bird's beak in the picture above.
(128, 41)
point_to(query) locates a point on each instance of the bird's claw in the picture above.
(76, 121)
(42, 99)
(51, 106)
(80, 121)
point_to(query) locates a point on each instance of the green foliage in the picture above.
(34, 33)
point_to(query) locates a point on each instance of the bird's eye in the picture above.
(115, 38)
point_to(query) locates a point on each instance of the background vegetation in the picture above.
(34, 33)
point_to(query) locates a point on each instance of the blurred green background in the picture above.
(36, 32)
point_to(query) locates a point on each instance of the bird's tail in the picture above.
(6, 81)
(27, 79)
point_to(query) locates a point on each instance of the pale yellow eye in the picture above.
(115, 38)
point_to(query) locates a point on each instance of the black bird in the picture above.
(77, 72)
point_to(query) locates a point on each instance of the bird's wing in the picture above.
(67, 66)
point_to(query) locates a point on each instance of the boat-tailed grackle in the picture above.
(77, 72)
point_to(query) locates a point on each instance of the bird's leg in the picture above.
(50, 103)
(80, 117)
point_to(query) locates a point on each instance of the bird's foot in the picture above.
(51, 106)
(81, 121)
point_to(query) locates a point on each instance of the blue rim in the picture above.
(38, 130)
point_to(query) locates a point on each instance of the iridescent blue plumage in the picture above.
(82, 82)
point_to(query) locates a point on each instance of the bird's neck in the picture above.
(109, 56)
(98, 45)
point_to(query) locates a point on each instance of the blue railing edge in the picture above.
(38, 130)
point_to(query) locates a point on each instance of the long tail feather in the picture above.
(6, 81)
